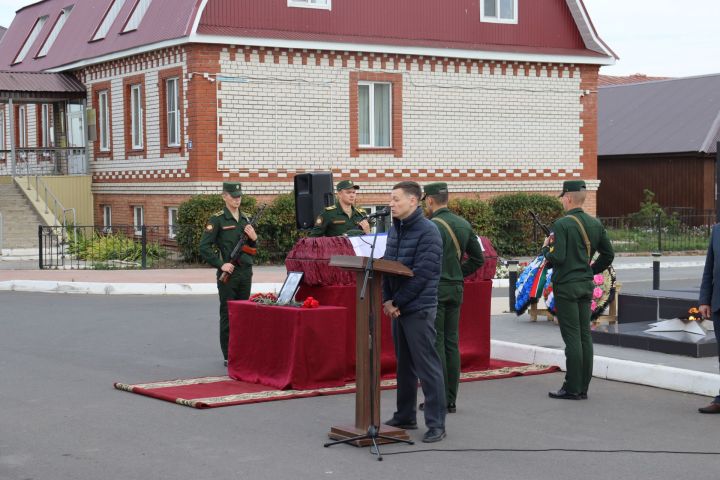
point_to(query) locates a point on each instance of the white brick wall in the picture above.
(297, 117)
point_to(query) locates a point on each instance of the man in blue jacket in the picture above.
(710, 297)
(411, 303)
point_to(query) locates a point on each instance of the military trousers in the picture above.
(572, 306)
(237, 288)
(414, 339)
(447, 324)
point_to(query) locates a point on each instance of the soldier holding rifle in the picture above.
(224, 230)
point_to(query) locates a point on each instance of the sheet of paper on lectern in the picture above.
(362, 245)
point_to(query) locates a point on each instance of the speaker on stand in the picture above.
(313, 192)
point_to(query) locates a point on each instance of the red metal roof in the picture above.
(544, 25)
(608, 80)
(164, 20)
(40, 82)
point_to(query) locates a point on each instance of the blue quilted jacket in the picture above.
(416, 243)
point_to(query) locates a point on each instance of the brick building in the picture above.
(492, 96)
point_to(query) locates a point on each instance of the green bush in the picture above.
(193, 215)
(277, 232)
(515, 233)
(112, 246)
(652, 215)
(477, 212)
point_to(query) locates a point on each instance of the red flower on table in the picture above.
(310, 302)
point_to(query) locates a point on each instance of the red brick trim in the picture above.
(397, 138)
(96, 89)
(128, 83)
(588, 116)
(163, 76)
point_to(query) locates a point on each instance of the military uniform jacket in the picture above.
(334, 222)
(568, 253)
(453, 269)
(223, 232)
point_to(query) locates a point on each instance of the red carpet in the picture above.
(210, 392)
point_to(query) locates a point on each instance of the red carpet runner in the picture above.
(210, 392)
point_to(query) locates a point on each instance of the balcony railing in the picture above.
(43, 161)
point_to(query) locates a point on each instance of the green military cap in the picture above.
(435, 188)
(345, 184)
(233, 188)
(573, 186)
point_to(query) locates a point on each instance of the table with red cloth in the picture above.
(287, 347)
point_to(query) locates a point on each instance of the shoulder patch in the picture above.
(318, 220)
(218, 214)
(333, 207)
(209, 227)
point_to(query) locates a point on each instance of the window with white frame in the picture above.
(173, 112)
(30, 40)
(381, 224)
(104, 120)
(136, 117)
(499, 11)
(321, 4)
(2, 129)
(172, 222)
(138, 13)
(22, 126)
(45, 140)
(138, 219)
(107, 218)
(108, 19)
(374, 114)
(59, 24)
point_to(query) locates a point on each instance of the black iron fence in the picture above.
(125, 247)
(660, 233)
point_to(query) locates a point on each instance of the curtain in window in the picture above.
(382, 115)
(137, 140)
(172, 112)
(104, 121)
(364, 114)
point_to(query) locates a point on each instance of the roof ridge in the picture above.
(675, 79)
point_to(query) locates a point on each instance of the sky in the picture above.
(654, 37)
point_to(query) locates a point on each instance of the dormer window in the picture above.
(30, 40)
(321, 4)
(138, 13)
(499, 11)
(55, 31)
(108, 19)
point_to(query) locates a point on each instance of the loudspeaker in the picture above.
(313, 192)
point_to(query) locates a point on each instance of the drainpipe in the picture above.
(12, 138)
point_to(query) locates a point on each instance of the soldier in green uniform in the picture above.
(458, 238)
(223, 231)
(342, 217)
(570, 247)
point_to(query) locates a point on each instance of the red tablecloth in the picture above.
(287, 347)
(474, 325)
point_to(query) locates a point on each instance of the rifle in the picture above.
(537, 221)
(238, 250)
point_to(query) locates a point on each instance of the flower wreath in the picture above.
(603, 292)
(530, 284)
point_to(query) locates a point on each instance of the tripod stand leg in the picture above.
(347, 440)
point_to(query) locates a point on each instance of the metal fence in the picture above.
(660, 233)
(44, 161)
(130, 247)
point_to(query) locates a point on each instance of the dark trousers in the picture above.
(414, 339)
(716, 323)
(238, 288)
(447, 322)
(572, 306)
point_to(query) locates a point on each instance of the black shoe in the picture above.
(434, 435)
(421, 406)
(712, 408)
(394, 422)
(562, 394)
(452, 408)
(583, 396)
(225, 363)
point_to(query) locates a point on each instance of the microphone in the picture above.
(380, 213)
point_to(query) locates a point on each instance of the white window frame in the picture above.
(104, 120)
(22, 127)
(498, 19)
(44, 126)
(112, 12)
(136, 16)
(172, 222)
(2, 130)
(34, 33)
(107, 218)
(325, 5)
(138, 219)
(371, 114)
(173, 116)
(52, 36)
(136, 117)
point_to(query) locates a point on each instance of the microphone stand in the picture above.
(373, 433)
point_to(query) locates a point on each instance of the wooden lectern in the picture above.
(367, 370)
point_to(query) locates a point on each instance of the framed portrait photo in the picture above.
(289, 288)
